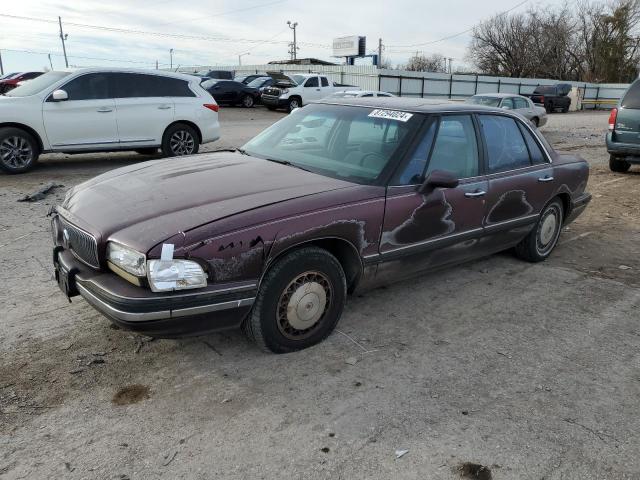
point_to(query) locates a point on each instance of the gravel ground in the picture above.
(531, 371)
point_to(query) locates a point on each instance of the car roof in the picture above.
(416, 105)
(148, 71)
(498, 95)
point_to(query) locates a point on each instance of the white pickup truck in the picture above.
(290, 92)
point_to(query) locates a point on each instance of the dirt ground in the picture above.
(530, 371)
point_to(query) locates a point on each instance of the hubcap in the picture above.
(294, 104)
(548, 230)
(15, 152)
(182, 143)
(303, 304)
(248, 101)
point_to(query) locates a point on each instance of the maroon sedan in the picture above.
(335, 198)
(9, 83)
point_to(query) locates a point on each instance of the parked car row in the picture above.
(517, 103)
(12, 80)
(340, 196)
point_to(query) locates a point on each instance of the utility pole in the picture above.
(1, 66)
(156, 64)
(63, 37)
(171, 59)
(450, 60)
(379, 53)
(294, 46)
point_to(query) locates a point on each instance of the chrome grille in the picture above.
(82, 244)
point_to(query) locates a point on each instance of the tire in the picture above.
(294, 103)
(565, 109)
(549, 107)
(248, 101)
(310, 279)
(180, 139)
(19, 151)
(540, 242)
(617, 165)
(147, 151)
(535, 121)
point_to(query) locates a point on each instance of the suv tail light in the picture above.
(211, 106)
(612, 119)
(541, 99)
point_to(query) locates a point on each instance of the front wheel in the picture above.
(538, 245)
(178, 140)
(247, 101)
(299, 303)
(18, 150)
(293, 104)
(618, 165)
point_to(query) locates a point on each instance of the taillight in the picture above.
(541, 98)
(211, 106)
(612, 119)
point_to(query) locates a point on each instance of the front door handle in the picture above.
(477, 193)
(545, 179)
(317, 89)
(104, 110)
(164, 107)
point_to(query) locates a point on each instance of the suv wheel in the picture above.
(618, 165)
(538, 245)
(19, 151)
(247, 101)
(299, 303)
(293, 104)
(178, 140)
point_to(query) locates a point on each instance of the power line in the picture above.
(449, 37)
(35, 52)
(159, 34)
(223, 13)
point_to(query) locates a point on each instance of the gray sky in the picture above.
(233, 27)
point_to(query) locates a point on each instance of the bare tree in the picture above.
(422, 63)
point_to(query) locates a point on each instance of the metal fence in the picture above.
(432, 85)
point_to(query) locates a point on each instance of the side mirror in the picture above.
(59, 96)
(439, 179)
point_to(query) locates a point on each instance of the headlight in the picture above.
(126, 258)
(175, 275)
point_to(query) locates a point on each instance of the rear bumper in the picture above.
(630, 151)
(169, 314)
(578, 205)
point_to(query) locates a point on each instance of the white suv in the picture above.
(98, 109)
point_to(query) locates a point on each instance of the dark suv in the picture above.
(623, 139)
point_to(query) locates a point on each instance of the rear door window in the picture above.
(535, 152)
(325, 81)
(507, 103)
(520, 103)
(506, 147)
(137, 85)
(632, 97)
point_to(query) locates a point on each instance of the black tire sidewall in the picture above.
(16, 132)
(166, 147)
(274, 284)
(617, 165)
(291, 107)
(244, 99)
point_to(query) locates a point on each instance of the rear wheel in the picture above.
(535, 121)
(19, 151)
(618, 165)
(300, 301)
(178, 140)
(538, 245)
(565, 109)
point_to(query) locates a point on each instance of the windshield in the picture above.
(37, 84)
(488, 101)
(345, 142)
(299, 79)
(258, 82)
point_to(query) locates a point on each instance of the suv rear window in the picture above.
(632, 97)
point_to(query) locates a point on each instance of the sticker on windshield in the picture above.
(391, 115)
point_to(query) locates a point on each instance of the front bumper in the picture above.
(272, 101)
(168, 314)
(627, 151)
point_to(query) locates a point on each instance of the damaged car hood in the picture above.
(144, 204)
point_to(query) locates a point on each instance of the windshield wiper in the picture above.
(287, 163)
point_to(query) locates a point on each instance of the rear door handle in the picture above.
(545, 179)
(104, 110)
(477, 193)
(164, 107)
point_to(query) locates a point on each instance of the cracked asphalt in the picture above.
(531, 371)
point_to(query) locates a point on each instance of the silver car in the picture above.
(522, 105)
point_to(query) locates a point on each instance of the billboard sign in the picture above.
(353, 46)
